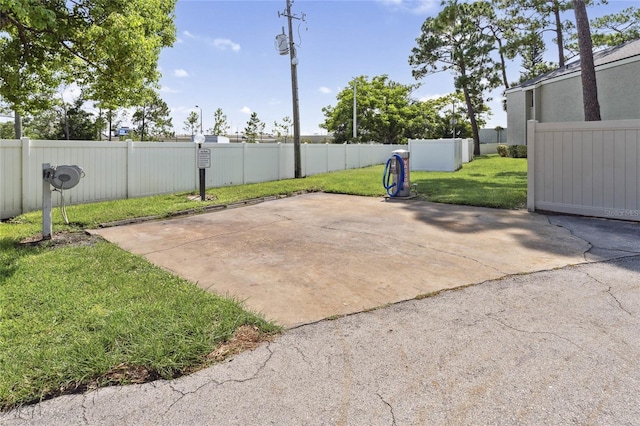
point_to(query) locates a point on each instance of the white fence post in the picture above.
(129, 180)
(531, 138)
(26, 175)
(326, 158)
(279, 160)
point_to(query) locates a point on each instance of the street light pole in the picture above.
(200, 119)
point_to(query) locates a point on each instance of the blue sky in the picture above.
(225, 56)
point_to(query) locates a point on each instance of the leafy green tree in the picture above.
(220, 123)
(65, 121)
(152, 119)
(529, 20)
(283, 128)
(384, 110)
(458, 40)
(77, 123)
(261, 128)
(449, 118)
(253, 128)
(6, 130)
(43, 125)
(617, 28)
(191, 123)
(114, 117)
(109, 47)
(533, 63)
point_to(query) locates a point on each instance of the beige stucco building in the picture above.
(557, 95)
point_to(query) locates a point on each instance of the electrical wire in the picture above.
(63, 207)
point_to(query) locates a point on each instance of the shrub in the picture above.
(521, 151)
(502, 150)
(513, 151)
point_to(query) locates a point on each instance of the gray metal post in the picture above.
(47, 226)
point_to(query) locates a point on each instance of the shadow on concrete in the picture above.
(608, 238)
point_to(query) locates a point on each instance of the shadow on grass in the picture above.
(520, 175)
(465, 191)
(10, 254)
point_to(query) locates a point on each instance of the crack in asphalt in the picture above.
(617, 301)
(519, 330)
(217, 383)
(85, 410)
(584, 253)
(608, 291)
(592, 246)
(393, 416)
(303, 355)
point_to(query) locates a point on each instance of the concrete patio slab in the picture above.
(301, 259)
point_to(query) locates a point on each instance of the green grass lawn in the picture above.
(88, 314)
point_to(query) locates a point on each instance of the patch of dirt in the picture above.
(131, 374)
(196, 197)
(62, 239)
(246, 337)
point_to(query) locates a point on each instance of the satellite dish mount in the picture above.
(61, 178)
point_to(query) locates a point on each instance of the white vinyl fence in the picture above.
(118, 170)
(439, 155)
(585, 168)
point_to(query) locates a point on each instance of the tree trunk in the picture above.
(556, 13)
(17, 125)
(474, 124)
(144, 113)
(588, 71)
(503, 64)
(66, 120)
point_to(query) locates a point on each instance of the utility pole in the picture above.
(294, 91)
(200, 119)
(355, 126)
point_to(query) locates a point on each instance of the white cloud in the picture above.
(245, 110)
(225, 43)
(324, 90)
(180, 73)
(167, 89)
(218, 43)
(432, 96)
